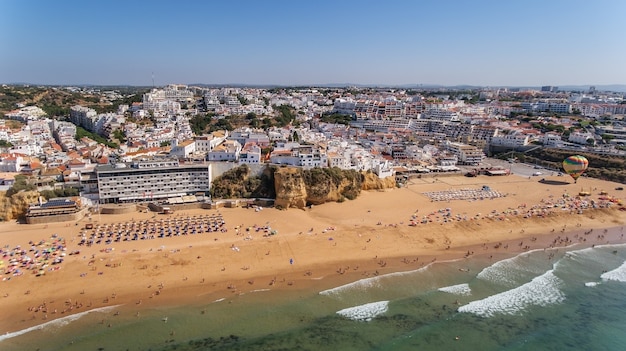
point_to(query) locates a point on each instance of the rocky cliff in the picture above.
(298, 188)
(290, 189)
(370, 181)
(16, 206)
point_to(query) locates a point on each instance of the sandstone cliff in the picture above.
(290, 189)
(299, 188)
(370, 181)
(16, 206)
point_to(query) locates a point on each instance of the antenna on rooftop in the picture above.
(153, 79)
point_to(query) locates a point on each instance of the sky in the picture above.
(313, 42)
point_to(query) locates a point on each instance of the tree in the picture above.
(242, 100)
(266, 123)
(221, 124)
(608, 137)
(21, 183)
(82, 132)
(285, 115)
(120, 135)
(338, 118)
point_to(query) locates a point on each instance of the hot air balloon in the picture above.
(575, 166)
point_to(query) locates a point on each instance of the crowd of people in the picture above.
(39, 257)
(546, 207)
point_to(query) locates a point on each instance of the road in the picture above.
(520, 169)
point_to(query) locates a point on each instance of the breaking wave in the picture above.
(460, 289)
(365, 312)
(618, 274)
(541, 291)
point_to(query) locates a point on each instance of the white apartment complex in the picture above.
(466, 154)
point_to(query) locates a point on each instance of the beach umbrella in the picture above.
(575, 166)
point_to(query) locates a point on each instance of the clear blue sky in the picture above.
(301, 42)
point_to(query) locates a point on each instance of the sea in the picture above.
(571, 298)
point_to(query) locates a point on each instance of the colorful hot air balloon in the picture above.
(575, 166)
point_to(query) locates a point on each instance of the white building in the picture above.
(307, 156)
(229, 150)
(551, 139)
(466, 154)
(11, 162)
(251, 153)
(183, 149)
(206, 143)
(511, 140)
(580, 137)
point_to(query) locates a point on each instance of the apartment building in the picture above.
(307, 156)
(466, 154)
(84, 116)
(147, 180)
(616, 133)
(547, 106)
(441, 115)
(167, 99)
(511, 140)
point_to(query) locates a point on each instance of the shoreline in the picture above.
(203, 268)
(331, 281)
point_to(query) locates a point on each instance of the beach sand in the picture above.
(316, 248)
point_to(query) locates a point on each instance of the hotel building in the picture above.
(156, 179)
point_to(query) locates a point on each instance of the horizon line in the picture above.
(335, 85)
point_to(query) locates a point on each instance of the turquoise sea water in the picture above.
(567, 299)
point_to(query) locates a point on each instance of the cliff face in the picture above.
(372, 182)
(298, 188)
(290, 189)
(16, 206)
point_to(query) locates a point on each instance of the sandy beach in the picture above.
(324, 246)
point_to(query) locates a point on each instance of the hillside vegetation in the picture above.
(611, 168)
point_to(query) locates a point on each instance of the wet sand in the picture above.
(316, 248)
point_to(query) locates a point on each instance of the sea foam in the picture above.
(371, 282)
(542, 291)
(506, 272)
(618, 274)
(359, 284)
(60, 322)
(365, 312)
(460, 289)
